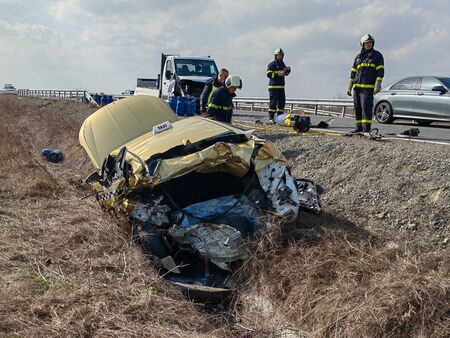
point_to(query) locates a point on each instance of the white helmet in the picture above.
(366, 38)
(278, 51)
(233, 81)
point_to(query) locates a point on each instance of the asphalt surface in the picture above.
(437, 132)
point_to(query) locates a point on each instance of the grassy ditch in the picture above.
(69, 270)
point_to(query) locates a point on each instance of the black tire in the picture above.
(423, 123)
(384, 113)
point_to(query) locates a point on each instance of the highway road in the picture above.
(436, 132)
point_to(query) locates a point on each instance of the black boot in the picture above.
(366, 128)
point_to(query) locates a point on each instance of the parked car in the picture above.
(191, 191)
(128, 92)
(9, 89)
(424, 99)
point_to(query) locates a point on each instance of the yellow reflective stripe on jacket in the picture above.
(275, 87)
(354, 70)
(366, 65)
(379, 78)
(273, 110)
(359, 85)
(210, 94)
(271, 71)
(380, 67)
(366, 121)
(212, 105)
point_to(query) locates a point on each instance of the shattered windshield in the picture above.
(192, 67)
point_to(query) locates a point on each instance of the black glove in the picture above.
(349, 93)
(287, 70)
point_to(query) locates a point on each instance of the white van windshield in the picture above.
(191, 67)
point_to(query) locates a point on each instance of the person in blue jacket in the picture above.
(276, 71)
(210, 86)
(365, 79)
(221, 106)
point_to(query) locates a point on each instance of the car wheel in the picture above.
(423, 122)
(384, 113)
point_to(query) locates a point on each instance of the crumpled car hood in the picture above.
(182, 133)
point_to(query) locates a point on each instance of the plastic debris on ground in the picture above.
(53, 156)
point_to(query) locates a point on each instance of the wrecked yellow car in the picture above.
(192, 190)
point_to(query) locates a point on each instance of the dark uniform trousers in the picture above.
(277, 101)
(363, 101)
(221, 106)
(223, 116)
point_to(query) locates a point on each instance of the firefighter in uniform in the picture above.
(221, 106)
(210, 86)
(276, 71)
(365, 80)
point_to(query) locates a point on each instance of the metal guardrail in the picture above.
(71, 95)
(343, 106)
(309, 105)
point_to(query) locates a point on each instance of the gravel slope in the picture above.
(398, 188)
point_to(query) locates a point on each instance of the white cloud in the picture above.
(106, 44)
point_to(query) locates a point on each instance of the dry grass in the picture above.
(68, 270)
(348, 283)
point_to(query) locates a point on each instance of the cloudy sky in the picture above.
(103, 45)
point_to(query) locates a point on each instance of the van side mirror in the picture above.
(168, 75)
(440, 89)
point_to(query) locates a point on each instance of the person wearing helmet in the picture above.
(365, 79)
(221, 106)
(210, 86)
(276, 71)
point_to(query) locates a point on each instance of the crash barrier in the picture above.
(71, 95)
(182, 105)
(337, 107)
(80, 96)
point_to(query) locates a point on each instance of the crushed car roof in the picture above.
(129, 122)
(120, 122)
